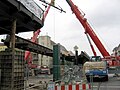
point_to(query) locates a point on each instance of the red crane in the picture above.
(34, 38)
(91, 33)
(36, 33)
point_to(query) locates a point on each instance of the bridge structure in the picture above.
(18, 16)
(27, 18)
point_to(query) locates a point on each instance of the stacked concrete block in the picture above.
(12, 70)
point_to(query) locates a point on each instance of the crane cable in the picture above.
(103, 42)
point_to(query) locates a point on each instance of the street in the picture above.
(112, 84)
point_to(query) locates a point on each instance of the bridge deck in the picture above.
(26, 20)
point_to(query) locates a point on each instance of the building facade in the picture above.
(44, 60)
(47, 42)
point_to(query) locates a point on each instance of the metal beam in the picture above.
(25, 44)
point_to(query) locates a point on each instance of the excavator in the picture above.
(112, 61)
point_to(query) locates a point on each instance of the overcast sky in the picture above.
(64, 28)
(102, 15)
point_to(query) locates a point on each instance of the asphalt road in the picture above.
(112, 84)
(38, 82)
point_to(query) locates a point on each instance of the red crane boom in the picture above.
(34, 38)
(112, 60)
(88, 28)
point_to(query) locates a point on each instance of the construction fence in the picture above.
(11, 70)
(71, 78)
(75, 77)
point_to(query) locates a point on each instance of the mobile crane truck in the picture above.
(112, 61)
(96, 69)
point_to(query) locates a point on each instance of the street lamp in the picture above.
(76, 55)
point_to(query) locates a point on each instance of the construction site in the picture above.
(39, 63)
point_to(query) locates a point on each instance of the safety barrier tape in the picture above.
(70, 87)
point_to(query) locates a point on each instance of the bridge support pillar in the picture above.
(12, 46)
(56, 62)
